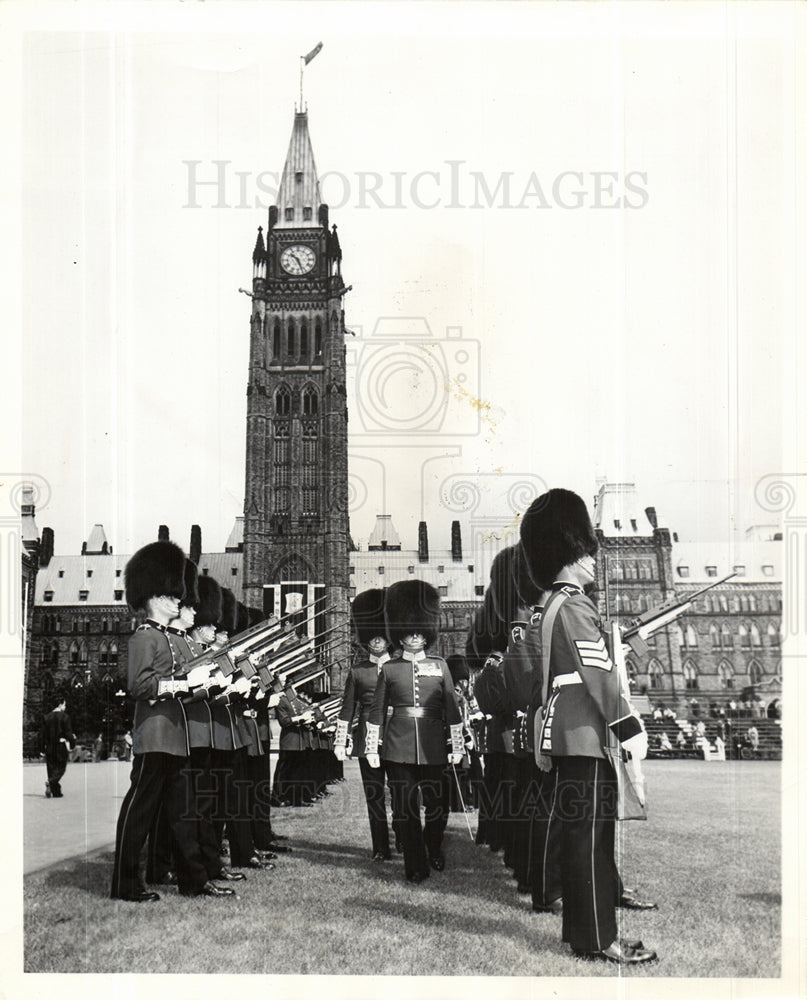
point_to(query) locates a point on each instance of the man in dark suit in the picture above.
(57, 740)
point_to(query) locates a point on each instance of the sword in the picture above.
(462, 803)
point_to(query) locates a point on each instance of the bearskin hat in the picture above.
(503, 597)
(156, 570)
(208, 611)
(528, 593)
(242, 618)
(229, 612)
(191, 598)
(412, 606)
(367, 611)
(497, 629)
(458, 668)
(255, 616)
(555, 531)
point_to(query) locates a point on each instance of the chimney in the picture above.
(46, 552)
(162, 533)
(423, 542)
(456, 542)
(651, 516)
(195, 552)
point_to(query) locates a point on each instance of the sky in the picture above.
(568, 231)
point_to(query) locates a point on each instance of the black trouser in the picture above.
(56, 763)
(508, 795)
(585, 798)
(373, 780)
(258, 794)
(524, 799)
(229, 773)
(490, 802)
(157, 778)
(418, 843)
(293, 781)
(545, 843)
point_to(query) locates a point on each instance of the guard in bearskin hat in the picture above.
(584, 710)
(424, 724)
(367, 612)
(155, 584)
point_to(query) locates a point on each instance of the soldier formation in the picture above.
(532, 734)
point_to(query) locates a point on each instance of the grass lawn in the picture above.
(709, 855)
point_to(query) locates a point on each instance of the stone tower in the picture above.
(296, 532)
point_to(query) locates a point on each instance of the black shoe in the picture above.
(279, 848)
(209, 889)
(256, 862)
(382, 856)
(622, 953)
(140, 896)
(438, 862)
(58, 795)
(417, 877)
(225, 875)
(48, 792)
(628, 902)
(556, 907)
(265, 855)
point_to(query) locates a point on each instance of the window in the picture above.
(715, 636)
(725, 675)
(303, 340)
(73, 654)
(298, 177)
(726, 638)
(104, 625)
(276, 339)
(89, 573)
(711, 570)
(752, 602)
(755, 672)
(351, 570)
(773, 635)
(739, 570)
(380, 570)
(443, 591)
(617, 523)
(103, 655)
(756, 639)
(289, 214)
(680, 635)
(61, 573)
(205, 571)
(118, 595)
(310, 501)
(234, 571)
(307, 214)
(290, 339)
(690, 676)
(83, 595)
(767, 570)
(310, 403)
(724, 603)
(309, 455)
(479, 590)
(692, 638)
(470, 567)
(281, 445)
(655, 673)
(281, 499)
(113, 655)
(633, 524)
(48, 595)
(410, 569)
(318, 338)
(745, 639)
(117, 573)
(683, 571)
(441, 569)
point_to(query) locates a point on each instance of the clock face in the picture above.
(298, 259)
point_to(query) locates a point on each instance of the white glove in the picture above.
(198, 675)
(339, 751)
(455, 758)
(273, 700)
(242, 685)
(373, 760)
(217, 679)
(637, 745)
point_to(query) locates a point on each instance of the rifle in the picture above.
(650, 622)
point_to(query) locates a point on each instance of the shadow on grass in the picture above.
(768, 898)
(90, 875)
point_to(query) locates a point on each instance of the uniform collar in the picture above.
(174, 630)
(413, 657)
(152, 624)
(558, 584)
(379, 660)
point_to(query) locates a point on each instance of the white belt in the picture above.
(563, 679)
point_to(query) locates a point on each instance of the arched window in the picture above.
(725, 675)
(773, 635)
(630, 666)
(281, 445)
(276, 339)
(724, 602)
(726, 638)
(310, 402)
(679, 635)
(756, 639)
(692, 637)
(54, 656)
(82, 653)
(715, 636)
(655, 673)
(743, 603)
(290, 340)
(690, 676)
(103, 655)
(310, 436)
(745, 639)
(73, 655)
(304, 340)
(113, 656)
(318, 338)
(77, 681)
(283, 401)
(755, 672)
(752, 602)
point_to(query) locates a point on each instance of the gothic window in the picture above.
(276, 339)
(58, 624)
(655, 673)
(289, 214)
(113, 655)
(745, 639)
(103, 655)
(744, 603)
(756, 639)
(727, 639)
(281, 499)
(283, 402)
(309, 443)
(692, 638)
(679, 633)
(630, 666)
(304, 340)
(290, 342)
(76, 682)
(755, 672)
(310, 495)
(82, 653)
(73, 656)
(318, 338)
(725, 675)
(773, 635)
(310, 402)
(724, 603)
(715, 636)
(292, 568)
(307, 214)
(690, 676)
(281, 455)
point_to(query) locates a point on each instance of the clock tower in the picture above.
(296, 532)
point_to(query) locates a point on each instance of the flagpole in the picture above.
(302, 67)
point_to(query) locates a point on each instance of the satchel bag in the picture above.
(631, 802)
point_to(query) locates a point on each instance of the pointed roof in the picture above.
(235, 543)
(619, 513)
(384, 535)
(299, 186)
(30, 532)
(97, 543)
(260, 247)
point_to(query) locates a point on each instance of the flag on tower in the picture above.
(314, 52)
